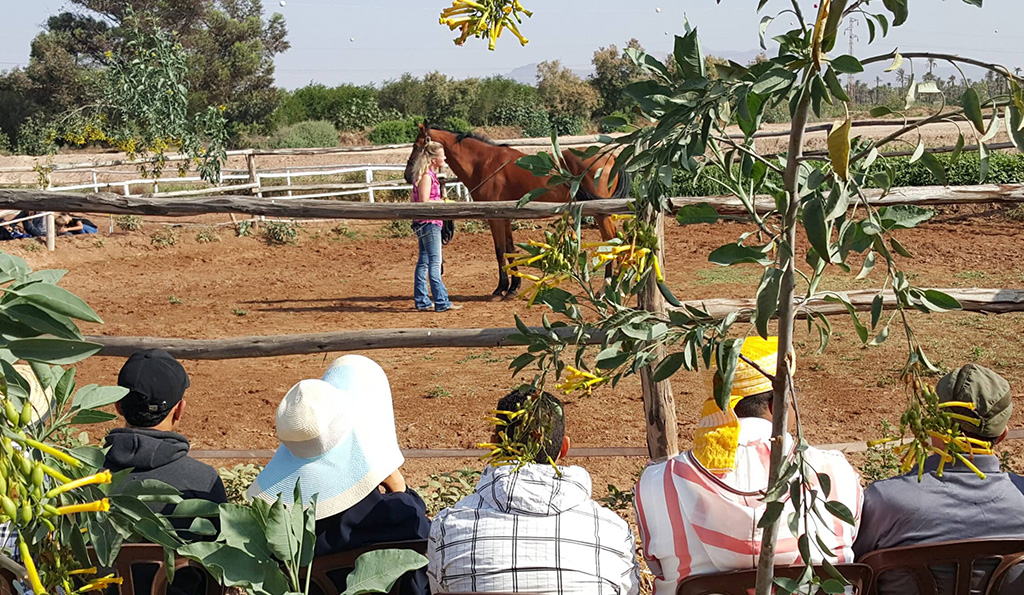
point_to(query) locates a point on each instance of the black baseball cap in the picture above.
(156, 382)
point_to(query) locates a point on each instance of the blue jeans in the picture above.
(429, 265)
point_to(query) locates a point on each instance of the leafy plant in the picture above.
(445, 489)
(390, 132)
(164, 237)
(128, 222)
(31, 246)
(239, 312)
(438, 392)
(281, 233)
(308, 134)
(880, 462)
(243, 229)
(174, 300)
(473, 226)
(238, 479)
(395, 229)
(345, 231)
(207, 235)
(617, 499)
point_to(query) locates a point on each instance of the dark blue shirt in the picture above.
(394, 516)
(959, 505)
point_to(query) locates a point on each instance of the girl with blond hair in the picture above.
(427, 188)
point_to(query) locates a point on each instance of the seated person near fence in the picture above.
(10, 232)
(958, 504)
(35, 227)
(68, 225)
(698, 512)
(532, 528)
(338, 441)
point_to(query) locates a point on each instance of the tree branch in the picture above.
(997, 68)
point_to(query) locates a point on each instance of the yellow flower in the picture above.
(97, 506)
(579, 380)
(30, 567)
(92, 570)
(101, 583)
(101, 477)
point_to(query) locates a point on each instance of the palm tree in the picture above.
(901, 76)
(931, 65)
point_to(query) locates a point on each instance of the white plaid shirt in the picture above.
(532, 531)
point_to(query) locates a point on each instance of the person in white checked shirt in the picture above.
(535, 530)
(698, 512)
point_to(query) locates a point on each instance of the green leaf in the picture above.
(728, 355)
(281, 535)
(53, 350)
(201, 526)
(835, 16)
(668, 295)
(899, 248)
(880, 111)
(90, 416)
(898, 8)
(869, 263)
(935, 166)
(698, 213)
(972, 109)
(836, 87)
(904, 216)
(957, 150)
(767, 300)
(876, 309)
(377, 570)
(847, 64)
(731, 254)
(833, 587)
(774, 80)
(668, 366)
(817, 230)
(239, 528)
(56, 299)
(772, 512)
(94, 396)
(531, 196)
(788, 585)
(944, 301)
(840, 511)
(44, 321)
(689, 56)
(13, 266)
(195, 507)
(90, 455)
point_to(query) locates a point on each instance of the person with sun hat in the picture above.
(338, 441)
(698, 512)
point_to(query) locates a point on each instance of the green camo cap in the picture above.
(989, 392)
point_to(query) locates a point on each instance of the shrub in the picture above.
(281, 233)
(348, 107)
(565, 124)
(128, 222)
(444, 490)
(400, 228)
(308, 134)
(164, 237)
(238, 479)
(207, 235)
(523, 114)
(392, 132)
(456, 124)
(5, 144)
(606, 128)
(36, 138)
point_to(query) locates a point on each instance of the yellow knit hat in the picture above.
(717, 436)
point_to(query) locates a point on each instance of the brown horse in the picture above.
(490, 173)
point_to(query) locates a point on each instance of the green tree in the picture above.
(446, 98)
(406, 95)
(495, 91)
(613, 71)
(566, 96)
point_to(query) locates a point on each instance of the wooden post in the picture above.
(51, 232)
(250, 164)
(369, 180)
(659, 404)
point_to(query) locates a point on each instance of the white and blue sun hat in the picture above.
(337, 438)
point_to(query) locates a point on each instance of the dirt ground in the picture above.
(330, 281)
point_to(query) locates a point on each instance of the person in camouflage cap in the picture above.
(958, 504)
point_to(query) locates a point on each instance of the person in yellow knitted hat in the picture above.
(698, 512)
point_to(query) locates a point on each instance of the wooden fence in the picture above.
(658, 403)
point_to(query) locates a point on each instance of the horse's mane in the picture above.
(461, 136)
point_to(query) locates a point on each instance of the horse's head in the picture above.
(417, 152)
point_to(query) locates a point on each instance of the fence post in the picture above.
(659, 404)
(250, 163)
(369, 180)
(51, 232)
(288, 179)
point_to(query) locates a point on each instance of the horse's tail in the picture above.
(624, 184)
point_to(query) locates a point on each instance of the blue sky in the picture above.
(363, 41)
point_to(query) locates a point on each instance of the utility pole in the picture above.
(851, 27)
(878, 89)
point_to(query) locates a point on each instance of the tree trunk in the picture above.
(787, 316)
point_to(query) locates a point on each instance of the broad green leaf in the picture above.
(766, 22)
(731, 254)
(958, 149)
(18, 387)
(816, 227)
(201, 526)
(839, 149)
(281, 535)
(876, 309)
(833, 587)
(689, 56)
(767, 300)
(898, 8)
(56, 299)
(899, 248)
(836, 87)
(847, 64)
(51, 276)
(788, 585)
(869, 263)
(668, 295)
(91, 416)
(935, 166)
(698, 213)
(773, 80)
(195, 507)
(840, 511)
(772, 512)
(918, 150)
(668, 366)
(972, 109)
(944, 301)
(239, 528)
(880, 111)
(94, 396)
(904, 216)
(90, 455)
(53, 350)
(835, 15)
(377, 570)
(1015, 126)
(727, 356)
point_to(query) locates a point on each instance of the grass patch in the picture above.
(728, 276)
(128, 222)
(239, 312)
(472, 226)
(174, 300)
(344, 231)
(1016, 213)
(971, 275)
(164, 237)
(438, 392)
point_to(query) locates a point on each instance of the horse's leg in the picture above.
(498, 235)
(607, 227)
(510, 247)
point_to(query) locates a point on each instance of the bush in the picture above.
(348, 107)
(308, 134)
(164, 237)
(128, 222)
(522, 114)
(281, 232)
(607, 128)
(36, 138)
(565, 124)
(391, 132)
(456, 124)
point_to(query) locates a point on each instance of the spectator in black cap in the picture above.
(148, 445)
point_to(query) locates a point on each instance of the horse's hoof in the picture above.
(497, 297)
(510, 296)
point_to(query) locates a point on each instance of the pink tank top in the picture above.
(435, 194)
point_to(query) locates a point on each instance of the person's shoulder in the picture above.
(198, 470)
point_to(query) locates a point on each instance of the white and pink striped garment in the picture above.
(692, 522)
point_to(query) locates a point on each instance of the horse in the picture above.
(490, 173)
